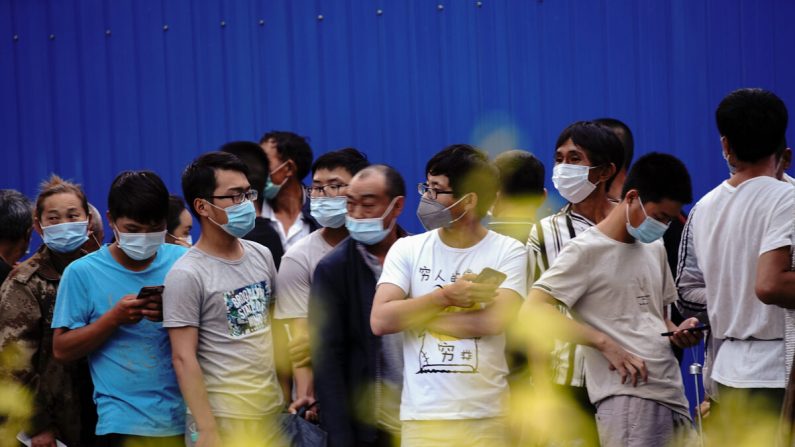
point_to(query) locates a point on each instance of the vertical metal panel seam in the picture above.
(52, 150)
(18, 99)
(167, 88)
(138, 75)
(194, 48)
(109, 77)
(81, 91)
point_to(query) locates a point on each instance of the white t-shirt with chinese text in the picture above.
(447, 378)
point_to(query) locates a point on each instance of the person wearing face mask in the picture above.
(615, 279)
(358, 375)
(455, 390)
(180, 222)
(216, 307)
(285, 207)
(16, 226)
(587, 156)
(27, 299)
(100, 314)
(331, 174)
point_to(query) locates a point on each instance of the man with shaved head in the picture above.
(358, 376)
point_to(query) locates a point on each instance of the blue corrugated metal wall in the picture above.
(92, 87)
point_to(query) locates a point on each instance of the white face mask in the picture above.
(140, 246)
(572, 182)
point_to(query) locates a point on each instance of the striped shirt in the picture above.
(568, 360)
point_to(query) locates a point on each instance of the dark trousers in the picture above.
(119, 440)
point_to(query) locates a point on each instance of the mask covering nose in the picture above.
(370, 231)
(649, 230)
(572, 182)
(329, 211)
(140, 246)
(66, 237)
(240, 218)
(433, 215)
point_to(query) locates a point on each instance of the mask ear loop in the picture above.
(462, 214)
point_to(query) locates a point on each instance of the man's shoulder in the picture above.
(300, 250)
(338, 259)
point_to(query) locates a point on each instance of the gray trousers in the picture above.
(629, 421)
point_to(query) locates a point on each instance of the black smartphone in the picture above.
(490, 276)
(149, 291)
(703, 327)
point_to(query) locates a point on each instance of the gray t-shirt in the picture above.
(228, 301)
(620, 289)
(295, 275)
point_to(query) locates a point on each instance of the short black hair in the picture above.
(175, 208)
(350, 159)
(521, 173)
(254, 157)
(624, 135)
(599, 142)
(659, 176)
(16, 215)
(754, 121)
(138, 195)
(469, 171)
(198, 178)
(291, 146)
(395, 185)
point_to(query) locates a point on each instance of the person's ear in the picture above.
(37, 226)
(472, 202)
(607, 172)
(400, 202)
(200, 205)
(630, 196)
(724, 144)
(786, 158)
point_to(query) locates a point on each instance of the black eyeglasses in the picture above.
(332, 190)
(423, 188)
(239, 198)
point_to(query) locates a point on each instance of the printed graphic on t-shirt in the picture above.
(440, 353)
(247, 308)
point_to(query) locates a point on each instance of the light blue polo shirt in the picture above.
(135, 387)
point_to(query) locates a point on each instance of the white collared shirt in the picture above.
(297, 231)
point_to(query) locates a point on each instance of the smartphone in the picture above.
(490, 276)
(703, 327)
(149, 291)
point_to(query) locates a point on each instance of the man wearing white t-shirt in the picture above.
(455, 390)
(615, 279)
(331, 174)
(741, 234)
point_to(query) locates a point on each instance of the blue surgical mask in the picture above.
(649, 230)
(370, 231)
(271, 190)
(140, 246)
(66, 237)
(329, 211)
(239, 218)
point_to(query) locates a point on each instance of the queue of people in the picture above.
(312, 300)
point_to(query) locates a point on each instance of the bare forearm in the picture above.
(191, 384)
(544, 316)
(304, 386)
(70, 345)
(398, 315)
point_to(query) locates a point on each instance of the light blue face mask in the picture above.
(649, 230)
(329, 211)
(239, 218)
(271, 190)
(66, 237)
(370, 231)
